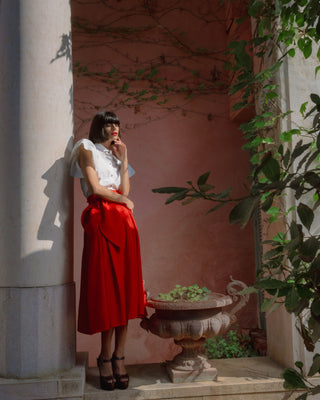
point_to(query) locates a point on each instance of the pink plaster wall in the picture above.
(167, 147)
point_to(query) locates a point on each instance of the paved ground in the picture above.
(238, 379)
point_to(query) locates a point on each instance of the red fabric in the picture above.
(111, 279)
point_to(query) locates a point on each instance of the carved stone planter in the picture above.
(190, 323)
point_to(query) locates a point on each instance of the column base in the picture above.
(37, 330)
(65, 385)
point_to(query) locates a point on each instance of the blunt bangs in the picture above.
(96, 133)
(111, 118)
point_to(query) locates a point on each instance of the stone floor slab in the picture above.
(238, 379)
(177, 376)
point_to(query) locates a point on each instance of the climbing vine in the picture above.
(177, 64)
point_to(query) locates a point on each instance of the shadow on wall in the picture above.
(65, 50)
(56, 224)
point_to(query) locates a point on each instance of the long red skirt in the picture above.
(112, 289)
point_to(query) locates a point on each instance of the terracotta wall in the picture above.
(168, 145)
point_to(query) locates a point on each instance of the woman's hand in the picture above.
(129, 203)
(119, 149)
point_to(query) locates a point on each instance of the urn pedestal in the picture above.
(190, 324)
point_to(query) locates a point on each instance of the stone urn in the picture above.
(190, 324)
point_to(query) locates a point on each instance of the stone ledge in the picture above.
(238, 379)
(66, 385)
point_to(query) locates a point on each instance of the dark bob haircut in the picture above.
(97, 133)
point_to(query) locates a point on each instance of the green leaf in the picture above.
(205, 187)
(139, 72)
(222, 195)
(255, 8)
(303, 108)
(306, 215)
(299, 149)
(271, 95)
(295, 230)
(315, 98)
(267, 303)
(273, 253)
(293, 380)
(286, 158)
(177, 196)
(315, 367)
(307, 51)
(286, 136)
(292, 52)
(292, 299)
(125, 87)
(189, 200)
(271, 169)
(315, 307)
(280, 149)
(313, 109)
(314, 271)
(295, 242)
(267, 203)
(304, 332)
(271, 283)
(305, 45)
(313, 179)
(304, 292)
(296, 183)
(203, 179)
(169, 189)
(314, 327)
(243, 211)
(308, 249)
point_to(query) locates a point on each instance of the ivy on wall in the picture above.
(150, 54)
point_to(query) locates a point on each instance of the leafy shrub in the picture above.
(231, 345)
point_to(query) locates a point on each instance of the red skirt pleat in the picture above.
(112, 289)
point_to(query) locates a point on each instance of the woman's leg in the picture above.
(120, 342)
(106, 353)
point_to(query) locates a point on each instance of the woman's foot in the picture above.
(120, 372)
(107, 380)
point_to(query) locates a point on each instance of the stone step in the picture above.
(238, 379)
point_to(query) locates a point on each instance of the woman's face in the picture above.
(111, 131)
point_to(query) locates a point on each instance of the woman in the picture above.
(111, 279)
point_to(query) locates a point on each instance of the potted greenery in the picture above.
(190, 315)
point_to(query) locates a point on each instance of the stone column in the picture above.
(37, 313)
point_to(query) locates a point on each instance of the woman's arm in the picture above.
(91, 178)
(119, 149)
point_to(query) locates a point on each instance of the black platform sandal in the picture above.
(106, 382)
(122, 381)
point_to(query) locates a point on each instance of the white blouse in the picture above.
(106, 165)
